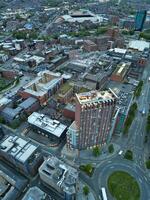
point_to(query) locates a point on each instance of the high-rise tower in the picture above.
(93, 117)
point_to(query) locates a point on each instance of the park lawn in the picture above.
(123, 186)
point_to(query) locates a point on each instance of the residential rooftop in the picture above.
(96, 96)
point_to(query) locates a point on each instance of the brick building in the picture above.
(93, 118)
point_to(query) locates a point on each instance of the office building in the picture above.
(93, 118)
(21, 153)
(42, 87)
(120, 72)
(89, 46)
(26, 107)
(59, 176)
(11, 184)
(35, 193)
(140, 19)
(43, 125)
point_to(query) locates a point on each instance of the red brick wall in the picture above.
(69, 114)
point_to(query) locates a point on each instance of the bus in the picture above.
(103, 192)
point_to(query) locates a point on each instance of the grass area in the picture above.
(83, 90)
(123, 186)
(65, 88)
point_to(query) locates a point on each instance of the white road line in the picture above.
(140, 180)
(112, 167)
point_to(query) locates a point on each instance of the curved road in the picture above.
(135, 143)
(108, 167)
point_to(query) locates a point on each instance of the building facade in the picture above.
(42, 87)
(93, 118)
(52, 129)
(61, 177)
(21, 154)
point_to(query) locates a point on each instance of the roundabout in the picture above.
(123, 186)
(107, 168)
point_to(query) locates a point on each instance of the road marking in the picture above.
(112, 167)
(146, 178)
(109, 161)
(140, 180)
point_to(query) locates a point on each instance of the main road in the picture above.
(135, 142)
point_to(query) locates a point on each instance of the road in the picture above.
(134, 142)
(137, 130)
(118, 163)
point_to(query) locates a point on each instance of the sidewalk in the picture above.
(81, 196)
(86, 156)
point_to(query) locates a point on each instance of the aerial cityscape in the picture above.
(74, 99)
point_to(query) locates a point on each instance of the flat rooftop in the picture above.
(96, 96)
(122, 68)
(18, 148)
(60, 174)
(4, 185)
(34, 193)
(4, 101)
(41, 121)
(45, 81)
(138, 45)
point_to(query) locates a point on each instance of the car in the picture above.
(120, 152)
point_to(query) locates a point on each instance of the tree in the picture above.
(2, 121)
(148, 164)
(88, 169)
(97, 85)
(111, 148)
(130, 117)
(148, 124)
(145, 139)
(86, 190)
(128, 155)
(96, 151)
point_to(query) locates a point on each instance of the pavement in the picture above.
(135, 142)
(81, 196)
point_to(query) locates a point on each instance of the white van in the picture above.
(120, 152)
